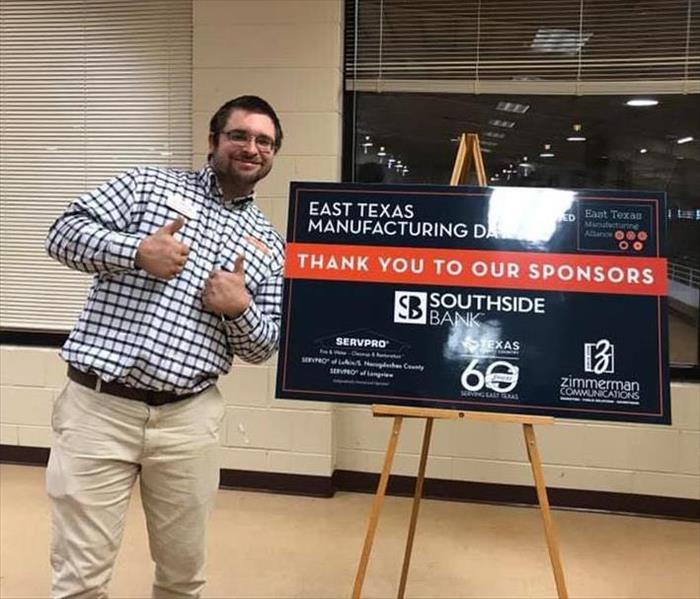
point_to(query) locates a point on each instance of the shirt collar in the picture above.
(210, 182)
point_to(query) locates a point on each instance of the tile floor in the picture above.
(269, 546)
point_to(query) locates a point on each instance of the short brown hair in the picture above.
(250, 104)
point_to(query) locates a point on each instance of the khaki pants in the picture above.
(101, 443)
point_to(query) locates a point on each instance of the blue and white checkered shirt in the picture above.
(153, 334)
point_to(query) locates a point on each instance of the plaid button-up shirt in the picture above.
(154, 334)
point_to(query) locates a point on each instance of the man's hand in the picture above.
(160, 254)
(225, 292)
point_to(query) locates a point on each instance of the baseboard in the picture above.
(498, 493)
(448, 490)
(273, 482)
(27, 456)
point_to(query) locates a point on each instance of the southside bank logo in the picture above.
(599, 357)
(411, 307)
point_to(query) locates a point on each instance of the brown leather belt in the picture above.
(152, 398)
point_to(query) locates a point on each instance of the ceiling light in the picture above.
(642, 102)
(494, 134)
(685, 140)
(502, 123)
(381, 152)
(512, 107)
(576, 135)
(643, 151)
(366, 144)
(547, 153)
(486, 150)
(486, 142)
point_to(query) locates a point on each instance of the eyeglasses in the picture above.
(241, 138)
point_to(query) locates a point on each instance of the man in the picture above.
(188, 273)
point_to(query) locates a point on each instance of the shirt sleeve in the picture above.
(254, 334)
(91, 236)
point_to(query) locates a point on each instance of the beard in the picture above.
(233, 173)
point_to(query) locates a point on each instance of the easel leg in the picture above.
(416, 505)
(549, 529)
(376, 507)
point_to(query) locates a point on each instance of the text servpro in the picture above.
(354, 342)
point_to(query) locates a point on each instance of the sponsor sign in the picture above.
(520, 300)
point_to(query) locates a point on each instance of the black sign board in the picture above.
(518, 300)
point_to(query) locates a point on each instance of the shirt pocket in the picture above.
(159, 213)
(257, 263)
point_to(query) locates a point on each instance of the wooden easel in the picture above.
(468, 152)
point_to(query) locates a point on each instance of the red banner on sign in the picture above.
(631, 275)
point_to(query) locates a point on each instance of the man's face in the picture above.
(241, 154)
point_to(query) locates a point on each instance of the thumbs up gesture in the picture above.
(225, 292)
(160, 254)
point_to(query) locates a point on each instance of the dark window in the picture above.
(530, 78)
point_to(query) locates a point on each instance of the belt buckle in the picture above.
(155, 398)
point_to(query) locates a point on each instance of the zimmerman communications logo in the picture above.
(599, 357)
(410, 307)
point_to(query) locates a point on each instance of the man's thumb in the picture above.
(173, 226)
(238, 266)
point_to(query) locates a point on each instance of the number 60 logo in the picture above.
(500, 376)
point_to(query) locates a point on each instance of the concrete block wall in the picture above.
(288, 52)
(30, 381)
(262, 433)
(259, 433)
(597, 456)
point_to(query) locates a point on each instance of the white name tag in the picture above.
(182, 206)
